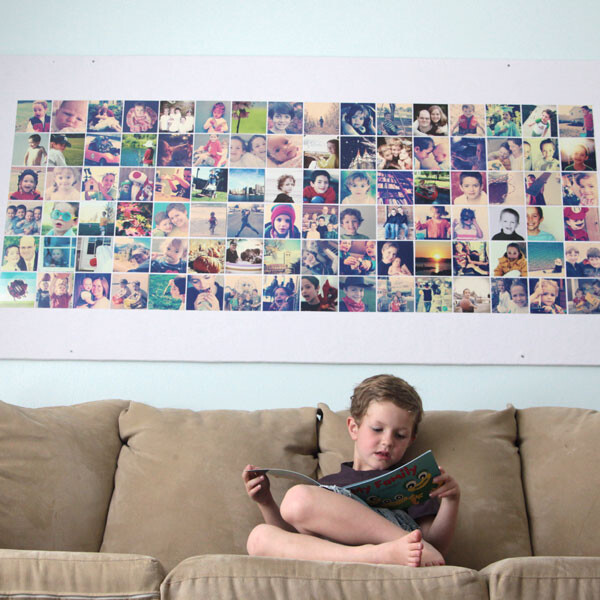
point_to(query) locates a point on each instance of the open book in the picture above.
(405, 486)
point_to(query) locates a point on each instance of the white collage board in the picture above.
(392, 338)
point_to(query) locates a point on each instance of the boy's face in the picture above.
(440, 153)
(545, 117)
(471, 187)
(280, 296)
(533, 219)
(108, 180)
(512, 253)
(64, 178)
(62, 217)
(87, 284)
(579, 154)
(29, 216)
(287, 186)
(386, 153)
(572, 256)
(388, 254)
(37, 213)
(281, 121)
(166, 225)
(548, 296)
(33, 143)
(589, 192)
(10, 213)
(518, 295)
(70, 115)
(12, 254)
(594, 261)
(27, 184)
(350, 224)
(508, 223)
(39, 111)
(358, 119)
(308, 290)
(548, 151)
(359, 187)
(282, 224)
(173, 253)
(421, 154)
(20, 213)
(355, 292)
(383, 436)
(259, 147)
(320, 184)
(468, 111)
(57, 254)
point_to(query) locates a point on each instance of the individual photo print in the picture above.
(321, 118)
(395, 223)
(141, 116)
(211, 150)
(470, 223)
(395, 294)
(539, 121)
(167, 292)
(320, 222)
(508, 259)
(131, 255)
(99, 183)
(504, 120)
(509, 296)
(246, 219)
(545, 224)
(541, 155)
(546, 259)
(247, 151)
(244, 256)
(432, 223)
(33, 116)
(433, 258)
(26, 183)
(547, 296)
(508, 224)
(357, 119)
(63, 183)
(176, 116)
(285, 117)
(92, 290)
(357, 257)
(58, 253)
(430, 119)
(30, 149)
(248, 117)
(395, 259)
(54, 290)
(358, 153)
(468, 188)
(97, 218)
(24, 218)
(357, 223)
(542, 189)
(357, 294)
(358, 187)
(206, 256)
(467, 119)
(280, 221)
(209, 220)
(506, 188)
(470, 258)
(169, 255)
(175, 150)
(319, 293)
(246, 185)
(578, 155)
(584, 296)
(209, 184)
(281, 293)
(134, 219)
(60, 218)
(242, 292)
(320, 187)
(134, 184)
(66, 149)
(505, 154)
(282, 256)
(583, 259)
(129, 292)
(173, 183)
(467, 154)
(138, 149)
(178, 214)
(321, 152)
(432, 187)
(394, 153)
(105, 115)
(575, 121)
(433, 294)
(320, 257)
(581, 224)
(580, 189)
(212, 116)
(284, 151)
(423, 158)
(204, 292)
(20, 253)
(94, 254)
(17, 290)
(471, 295)
(394, 119)
(394, 188)
(69, 116)
(283, 186)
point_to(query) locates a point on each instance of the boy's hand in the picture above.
(448, 487)
(258, 487)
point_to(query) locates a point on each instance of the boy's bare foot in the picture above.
(406, 550)
(431, 557)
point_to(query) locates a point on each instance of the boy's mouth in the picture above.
(383, 455)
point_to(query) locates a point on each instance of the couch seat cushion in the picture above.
(478, 449)
(57, 467)
(534, 578)
(52, 575)
(178, 487)
(247, 577)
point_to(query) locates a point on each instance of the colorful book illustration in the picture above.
(407, 485)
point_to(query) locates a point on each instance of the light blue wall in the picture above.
(546, 29)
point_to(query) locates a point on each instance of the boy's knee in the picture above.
(255, 545)
(297, 503)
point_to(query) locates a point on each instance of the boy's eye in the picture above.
(377, 429)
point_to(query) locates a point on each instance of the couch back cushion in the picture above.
(178, 486)
(57, 467)
(560, 448)
(478, 449)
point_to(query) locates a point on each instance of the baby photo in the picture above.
(69, 115)
(17, 290)
(169, 255)
(320, 187)
(23, 218)
(94, 254)
(246, 219)
(578, 155)
(358, 153)
(433, 294)
(584, 296)
(510, 296)
(546, 259)
(30, 149)
(545, 224)
(210, 150)
(105, 115)
(282, 256)
(395, 223)
(247, 151)
(542, 188)
(504, 120)
(141, 116)
(134, 219)
(358, 187)
(541, 155)
(60, 218)
(395, 258)
(394, 188)
(246, 185)
(283, 186)
(63, 183)
(470, 258)
(430, 119)
(319, 293)
(321, 118)
(33, 116)
(469, 188)
(432, 223)
(58, 253)
(394, 153)
(467, 119)
(432, 187)
(204, 292)
(471, 295)
(357, 223)
(280, 220)
(131, 255)
(357, 257)
(171, 219)
(248, 117)
(575, 121)
(470, 223)
(206, 256)
(394, 119)
(506, 188)
(92, 291)
(242, 292)
(547, 296)
(508, 259)
(167, 292)
(176, 116)
(129, 293)
(395, 294)
(357, 119)
(175, 150)
(173, 183)
(212, 116)
(284, 117)
(66, 149)
(139, 149)
(208, 220)
(357, 294)
(539, 121)
(244, 256)
(433, 258)
(209, 184)
(321, 152)
(284, 151)
(467, 153)
(505, 154)
(135, 184)
(508, 223)
(580, 189)
(281, 293)
(54, 290)
(320, 222)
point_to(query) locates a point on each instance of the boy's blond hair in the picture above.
(380, 388)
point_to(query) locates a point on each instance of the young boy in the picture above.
(509, 221)
(64, 218)
(358, 186)
(467, 122)
(56, 158)
(36, 153)
(40, 120)
(547, 162)
(591, 265)
(319, 190)
(285, 185)
(314, 523)
(535, 216)
(281, 115)
(471, 186)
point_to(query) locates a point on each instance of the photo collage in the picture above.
(302, 206)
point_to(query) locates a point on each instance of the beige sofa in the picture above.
(113, 499)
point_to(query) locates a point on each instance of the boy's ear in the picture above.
(352, 427)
